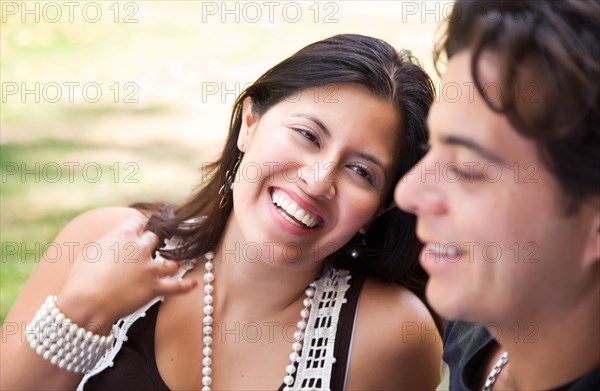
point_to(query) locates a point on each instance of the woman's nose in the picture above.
(318, 180)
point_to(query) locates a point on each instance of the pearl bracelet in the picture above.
(62, 342)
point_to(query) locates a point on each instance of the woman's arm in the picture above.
(112, 278)
(396, 344)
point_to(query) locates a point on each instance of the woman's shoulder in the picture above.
(395, 339)
(394, 311)
(394, 302)
(80, 233)
(96, 222)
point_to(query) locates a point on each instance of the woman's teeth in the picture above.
(294, 210)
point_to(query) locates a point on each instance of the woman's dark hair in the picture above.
(355, 59)
(548, 56)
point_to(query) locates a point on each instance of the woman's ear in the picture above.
(248, 126)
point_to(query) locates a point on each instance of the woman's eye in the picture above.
(364, 172)
(307, 134)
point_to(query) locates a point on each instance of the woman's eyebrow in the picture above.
(316, 121)
(373, 160)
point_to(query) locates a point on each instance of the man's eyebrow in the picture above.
(317, 122)
(454, 140)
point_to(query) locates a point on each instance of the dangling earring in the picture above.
(226, 190)
(361, 246)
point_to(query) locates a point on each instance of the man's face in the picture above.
(498, 243)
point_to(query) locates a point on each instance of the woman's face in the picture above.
(499, 246)
(314, 170)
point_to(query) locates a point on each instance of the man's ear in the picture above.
(249, 122)
(592, 245)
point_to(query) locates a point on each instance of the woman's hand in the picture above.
(116, 275)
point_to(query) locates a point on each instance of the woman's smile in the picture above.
(292, 212)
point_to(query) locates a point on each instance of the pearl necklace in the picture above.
(207, 329)
(491, 379)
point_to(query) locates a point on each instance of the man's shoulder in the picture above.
(463, 343)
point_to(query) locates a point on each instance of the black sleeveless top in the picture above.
(135, 365)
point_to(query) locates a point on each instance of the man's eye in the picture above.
(465, 174)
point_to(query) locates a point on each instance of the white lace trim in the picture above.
(314, 369)
(316, 363)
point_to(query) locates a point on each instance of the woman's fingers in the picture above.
(175, 286)
(167, 268)
(148, 242)
(171, 286)
(134, 225)
(133, 241)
